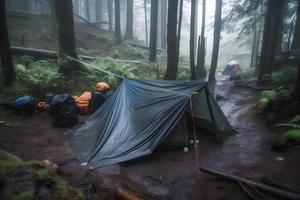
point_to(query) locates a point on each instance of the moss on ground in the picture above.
(42, 177)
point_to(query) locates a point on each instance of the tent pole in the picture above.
(218, 137)
(194, 131)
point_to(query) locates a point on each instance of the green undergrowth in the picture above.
(42, 177)
(291, 136)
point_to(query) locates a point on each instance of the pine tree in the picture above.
(172, 64)
(153, 30)
(5, 52)
(216, 42)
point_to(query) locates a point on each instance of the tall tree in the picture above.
(200, 68)
(153, 31)
(117, 20)
(129, 19)
(179, 30)
(98, 12)
(66, 35)
(87, 7)
(270, 35)
(216, 42)
(163, 23)
(296, 38)
(146, 20)
(296, 46)
(110, 14)
(172, 64)
(5, 53)
(192, 39)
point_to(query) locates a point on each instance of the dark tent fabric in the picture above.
(133, 121)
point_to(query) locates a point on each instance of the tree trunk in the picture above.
(163, 24)
(129, 19)
(153, 30)
(179, 31)
(9, 74)
(66, 35)
(53, 30)
(192, 39)
(172, 65)
(110, 14)
(200, 68)
(117, 20)
(99, 13)
(270, 36)
(297, 85)
(253, 51)
(216, 42)
(87, 7)
(296, 38)
(146, 20)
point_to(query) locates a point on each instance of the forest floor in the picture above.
(167, 174)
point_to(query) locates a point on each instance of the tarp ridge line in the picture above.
(119, 76)
(97, 68)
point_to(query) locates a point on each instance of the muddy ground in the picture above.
(167, 174)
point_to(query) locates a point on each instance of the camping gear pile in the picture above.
(144, 114)
(64, 107)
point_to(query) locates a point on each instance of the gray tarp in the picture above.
(133, 121)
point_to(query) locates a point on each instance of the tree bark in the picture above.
(200, 68)
(192, 39)
(110, 14)
(117, 20)
(146, 20)
(153, 30)
(172, 65)
(253, 51)
(87, 7)
(66, 35)
(297, 85)
(99, 13)
(296, 37)
(270, 36)
(163, 24)
(216, 42)
(129, 20)
(9, 74)
(179, 31)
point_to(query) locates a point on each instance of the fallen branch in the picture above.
(140, 62)
(278, 192)
(146, 47)
(41, 53)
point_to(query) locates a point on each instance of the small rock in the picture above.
(43, 194)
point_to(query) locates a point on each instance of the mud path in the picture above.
(167, 174)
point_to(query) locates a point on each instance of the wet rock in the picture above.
(43, 193)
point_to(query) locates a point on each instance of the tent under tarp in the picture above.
(140, 115)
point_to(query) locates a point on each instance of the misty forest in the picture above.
(149, 99)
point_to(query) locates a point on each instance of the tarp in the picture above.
(133, 121)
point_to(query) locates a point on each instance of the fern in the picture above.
(266, 97)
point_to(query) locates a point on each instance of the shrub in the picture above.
(266, 97)
(39, 77)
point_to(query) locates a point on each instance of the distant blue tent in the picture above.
(232, 68)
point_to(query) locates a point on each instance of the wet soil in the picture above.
(167, 174)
